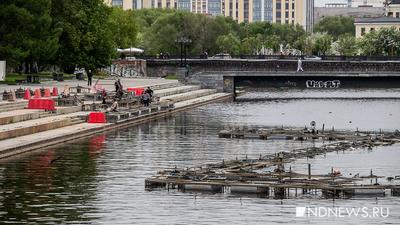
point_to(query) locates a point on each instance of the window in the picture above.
(397, 15)
(372, 29)
(362, 31)
(118, 3)
(390, 14)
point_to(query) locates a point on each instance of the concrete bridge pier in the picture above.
(229, 84)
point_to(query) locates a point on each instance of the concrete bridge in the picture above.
(226, 75)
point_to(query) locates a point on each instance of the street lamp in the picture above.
(183, 41)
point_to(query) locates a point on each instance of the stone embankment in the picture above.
(23, 130)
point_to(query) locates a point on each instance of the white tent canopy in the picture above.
(130, 50)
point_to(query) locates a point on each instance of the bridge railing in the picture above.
(281, 57)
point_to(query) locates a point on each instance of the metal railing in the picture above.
(280, 57)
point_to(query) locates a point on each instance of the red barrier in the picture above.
(27, 94)
(47, 93)
(138, 91)
(46, 104)
(55, 91)
(97, 117)
(37, 93)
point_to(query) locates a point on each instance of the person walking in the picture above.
(149, 91)
(299, 65)
(146, 99)
(90, 76)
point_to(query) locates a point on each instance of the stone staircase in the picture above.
(11, 106)
(28, 127)
(188, 95)
(23, 127)
(175, 90)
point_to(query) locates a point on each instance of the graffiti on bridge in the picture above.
(323, 84)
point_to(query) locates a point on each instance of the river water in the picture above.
(100, 180)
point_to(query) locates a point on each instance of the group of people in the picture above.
(145, 98)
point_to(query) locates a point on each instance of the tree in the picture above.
(346, 45)
(229, 44)
(86, 40)
(369, 45)
(123, 27)
(26, 33)
(386, 41)
(322, 43)
(336, 26)
(251, 45)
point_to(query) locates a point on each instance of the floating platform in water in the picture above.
(249, 176)
(301, 134)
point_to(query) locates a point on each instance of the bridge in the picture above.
(227, 74)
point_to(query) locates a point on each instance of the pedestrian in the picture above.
(299, 65)
(118, 85)
(89, 76)
(149, 91)
(103, 96)
(113, 107)
(146, 99)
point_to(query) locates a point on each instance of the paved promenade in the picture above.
(108, 83)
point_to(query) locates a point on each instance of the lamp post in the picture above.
(183, 41)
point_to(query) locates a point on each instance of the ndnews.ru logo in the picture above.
(365, 212)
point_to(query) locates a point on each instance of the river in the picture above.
(100, 180)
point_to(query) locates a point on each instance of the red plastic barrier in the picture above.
(47, 93)
(97, 117)
(138, 91)
(37, 93)
(46, 104)
(55, 91)
(27, 94)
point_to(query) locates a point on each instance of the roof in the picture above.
(383, 19)
(395, 2)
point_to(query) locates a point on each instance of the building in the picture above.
(356, 12)
(393, 9)
(275, 11)
(309, 18)
(391, 19)
(365, 25)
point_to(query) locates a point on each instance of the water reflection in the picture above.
(53, 186)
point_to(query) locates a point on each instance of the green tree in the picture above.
(369, 44)
(251, 45)
(386, 41)
(346, 45)
(322, 44)
(123, 27)
(26, 33)
(229, 44)
(336, 26)
(272, 42)
(86, 40)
